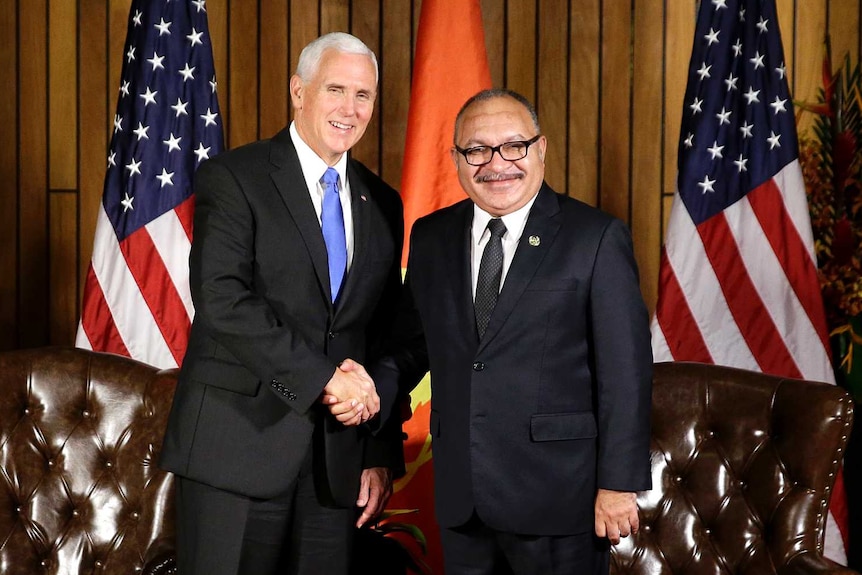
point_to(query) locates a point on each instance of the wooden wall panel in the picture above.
(494, 20)
(395, 81)
(607, 77)
(584, 104)
(807, 50)
(844, 31)
(616, 105)
(551, 98)
(242, 89)
(521, 48)
(366, 25)
(62, 89)
(62, 267)
(93, 127)
(8, 176)
(274, 73)
(33, 172)
(680, 18)
(645, 200)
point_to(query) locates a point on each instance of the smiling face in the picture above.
(499, 187)
(333, 106)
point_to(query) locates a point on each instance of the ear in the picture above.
(296, 88)
(454, 153)
(543, 145)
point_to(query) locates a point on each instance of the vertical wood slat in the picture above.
(33, 185)
(93, 129)
(304, 27)
(844, 32)
(62, 92)
(584, 105)
(8, 177)
(244, 72)
(551, 94)
(521, 48)
(335, 15)
(616, 108)
(494, 24)
(646, 142)
(366, 27)
(394, 94)
(680, 19)
(808, 54)
(274, 73)
(62, 257)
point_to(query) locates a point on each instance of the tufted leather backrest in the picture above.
(80, 491)
(743, 465)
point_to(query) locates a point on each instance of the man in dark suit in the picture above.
(294, 269)
(525, 305)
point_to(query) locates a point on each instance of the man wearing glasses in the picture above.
(525, 305)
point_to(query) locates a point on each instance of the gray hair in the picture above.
(309, 58)
(492, 94)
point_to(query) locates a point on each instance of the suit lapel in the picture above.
(290, 183)
(457, 252)
(541, 224)
(360, 207)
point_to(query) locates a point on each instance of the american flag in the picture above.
(136, 297)
(738, 277)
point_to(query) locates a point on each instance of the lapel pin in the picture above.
(535, 240)
(363, 198)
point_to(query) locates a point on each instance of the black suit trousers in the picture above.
(223, 533)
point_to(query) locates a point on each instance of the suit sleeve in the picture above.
(226, 301)
(623, 364)
(406, 358)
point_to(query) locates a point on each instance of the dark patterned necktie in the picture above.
(332, 225)
(490, 272)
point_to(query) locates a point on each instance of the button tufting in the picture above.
(50, 463)
(75, 513)
(108, 464)
(135, 515)
(98, 564)
(85, 413)
(27, 411)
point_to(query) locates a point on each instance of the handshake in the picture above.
(350, 394)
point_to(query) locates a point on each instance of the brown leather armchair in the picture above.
(80, 492)
(743, 465)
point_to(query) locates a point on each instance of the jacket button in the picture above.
(331, 335)
(478, 366)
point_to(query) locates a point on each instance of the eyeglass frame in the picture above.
(498, 150)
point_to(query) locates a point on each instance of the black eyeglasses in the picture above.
(509, 151)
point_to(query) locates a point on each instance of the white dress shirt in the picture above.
(514, 222)
(313, 168)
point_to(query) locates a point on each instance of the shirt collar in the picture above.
(313, 166)
(515, 221)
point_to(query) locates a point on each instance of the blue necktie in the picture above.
(332, 224)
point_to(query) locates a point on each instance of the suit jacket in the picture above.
(266, 337)
(554, 401)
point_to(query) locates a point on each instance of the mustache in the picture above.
(497, 176)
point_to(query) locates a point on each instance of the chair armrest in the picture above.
(811, 564)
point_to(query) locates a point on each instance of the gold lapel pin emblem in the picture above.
(535, 240)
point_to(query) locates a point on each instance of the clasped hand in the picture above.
(351, 395)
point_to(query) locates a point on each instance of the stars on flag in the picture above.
(738, 110)
(169, 72)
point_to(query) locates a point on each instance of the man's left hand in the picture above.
(375, 488)
(616, 514)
